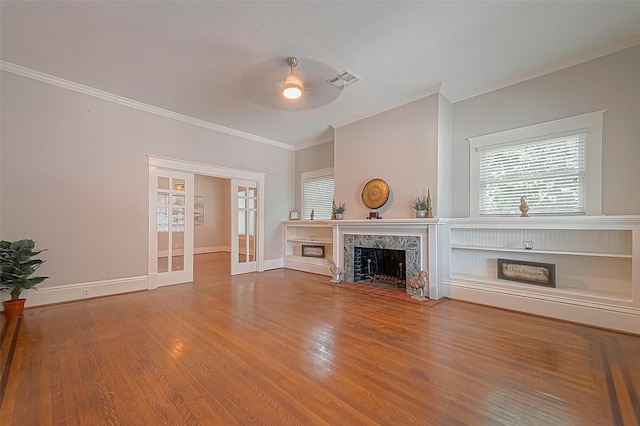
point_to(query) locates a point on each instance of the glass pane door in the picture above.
(175, 227)
(243, 247)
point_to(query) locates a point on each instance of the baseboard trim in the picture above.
(273, 264)
(196, 250)
(307, 264)
(215, 249)
(625, 319)
(71, 292)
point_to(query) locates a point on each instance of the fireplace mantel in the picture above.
(425, 229)
(411, 223)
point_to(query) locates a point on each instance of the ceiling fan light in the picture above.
(292, 88)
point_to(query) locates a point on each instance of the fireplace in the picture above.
(416, 238)
(356, 268)
(379, 265)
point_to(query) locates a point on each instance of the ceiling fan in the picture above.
(265, 83)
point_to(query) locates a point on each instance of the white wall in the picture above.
(74, 177)
(215, 234)
(611, 82)
(399, 146)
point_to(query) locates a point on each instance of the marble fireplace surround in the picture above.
(417, 237)
(407, 243)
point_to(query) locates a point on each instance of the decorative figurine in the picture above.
(524, 208)
(429, 212)
(313, 213)
(336, 272)
(418, 284)
(333, 210)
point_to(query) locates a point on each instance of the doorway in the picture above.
(247, 207)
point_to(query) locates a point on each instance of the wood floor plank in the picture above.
(285, 348)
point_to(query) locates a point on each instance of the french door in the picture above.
(244, 202)
(171, 194)
(174, 219)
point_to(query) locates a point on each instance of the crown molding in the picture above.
(312, 144)
(76, 87)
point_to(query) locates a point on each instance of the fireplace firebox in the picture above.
(379, 265)
(384, 268)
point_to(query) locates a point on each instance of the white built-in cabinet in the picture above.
(597, 266)
(596, 261)
(308, 245)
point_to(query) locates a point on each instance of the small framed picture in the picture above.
(294, 215)
(527, 272)
(198, 210)
(312, 251)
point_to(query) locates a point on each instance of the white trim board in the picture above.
(216, 249)
(72, 292)
(600, 315)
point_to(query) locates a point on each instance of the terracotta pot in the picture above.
(14, 309)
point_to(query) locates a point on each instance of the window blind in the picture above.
(549, 173)
(318, 196)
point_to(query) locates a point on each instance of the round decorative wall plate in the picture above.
(375, 193)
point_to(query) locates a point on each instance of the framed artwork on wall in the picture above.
(198, 210)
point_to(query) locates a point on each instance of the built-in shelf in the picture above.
(554, 293)
(596, 262)
(299, 233)
(536, 251)
(307, 240)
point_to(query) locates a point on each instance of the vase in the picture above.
(13, 308)
(421, 213)
(339, 216)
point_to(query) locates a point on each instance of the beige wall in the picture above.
(216, 231)
(611, 82)
(424, 144)
(399, 146)
(313, 158)
(74, 168)
(74, 176)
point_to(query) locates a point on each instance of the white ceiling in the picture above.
(216, 61)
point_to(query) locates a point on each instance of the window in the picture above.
(555, 165)
(317, 193)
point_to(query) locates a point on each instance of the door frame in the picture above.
(186, 274)
(156, 163)
(236, 266)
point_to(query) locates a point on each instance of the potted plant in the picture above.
(17, 265)
(419, 204)
(339, 211)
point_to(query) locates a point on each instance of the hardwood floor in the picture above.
(285, 347)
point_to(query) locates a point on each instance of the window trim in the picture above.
(312, 174)
(590, 123)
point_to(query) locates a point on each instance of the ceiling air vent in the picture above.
(343, 79)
